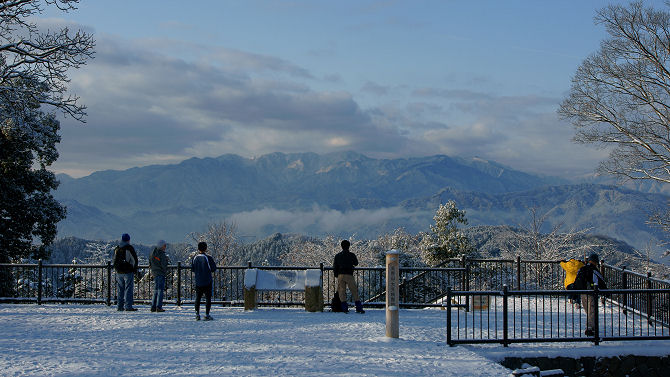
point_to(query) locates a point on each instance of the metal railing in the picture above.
(507, 317)
(419, 287)
(41, 283)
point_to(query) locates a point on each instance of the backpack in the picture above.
(121, 259)
(335, 303)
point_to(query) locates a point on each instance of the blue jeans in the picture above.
(124, 292)
(159, 287)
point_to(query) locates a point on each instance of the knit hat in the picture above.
(160, 244)
(594, 258)
(125, 237)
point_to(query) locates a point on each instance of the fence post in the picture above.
(649, 298)
(596, 322)
(466, 282)
(449, 342)
(39, 282)
(178, 283)
(518, 272)
(392, 293)
(109, 283)
(324, 290)
(624, 285)
(505, 318)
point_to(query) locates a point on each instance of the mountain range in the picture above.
(341, 194)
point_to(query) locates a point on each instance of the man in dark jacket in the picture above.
(589, 277)
(158, 261)
(125, 264)
(203, 265)
(343, 269)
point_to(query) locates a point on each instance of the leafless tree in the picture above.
(221, 238)
(34, 63)
(312, 252)
(556, 244)
(620, 95)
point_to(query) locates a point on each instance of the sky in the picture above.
(388, 79)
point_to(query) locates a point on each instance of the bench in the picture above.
(310, 281)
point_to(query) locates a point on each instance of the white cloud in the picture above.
(148, 107)
(323, 220)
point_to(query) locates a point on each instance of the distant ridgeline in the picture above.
(340, 194)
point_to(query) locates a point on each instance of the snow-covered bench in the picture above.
(310, 281)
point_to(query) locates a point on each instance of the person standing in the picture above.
(203, 265)
(589, 277)
(158, 262)
(125, 265)
(343, 269)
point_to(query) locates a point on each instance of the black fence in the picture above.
(419, 287)
(42, 283)
(507, 317)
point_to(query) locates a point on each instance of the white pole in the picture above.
(392, 293)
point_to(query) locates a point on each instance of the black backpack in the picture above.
(335, 303)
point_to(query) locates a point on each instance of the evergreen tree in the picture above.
(445, 239)
(27, 146)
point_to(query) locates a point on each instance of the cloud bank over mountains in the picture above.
(161, 101)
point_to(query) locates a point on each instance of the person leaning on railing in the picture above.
(343, 269)
(589, 277)
(571, 267)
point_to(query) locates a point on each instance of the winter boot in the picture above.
(345, 307)
(359, 307)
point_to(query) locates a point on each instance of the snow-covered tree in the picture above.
(620, 95)
(99, 252)
(221, 238)
(532, 241)
(445, 239)
(33, 86)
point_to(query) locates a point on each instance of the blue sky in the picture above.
(388, 79)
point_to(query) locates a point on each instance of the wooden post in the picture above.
(392, 294)
(314, 290)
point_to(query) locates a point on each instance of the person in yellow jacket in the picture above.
(571, 267)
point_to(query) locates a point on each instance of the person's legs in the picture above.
(120, 291)
(589, 309)
(208, 299)
(198, 297)
(154, 297)
(341, 288)
(353, 288)
(129, 290)
(159, 287)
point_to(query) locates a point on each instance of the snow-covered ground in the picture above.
(86, 340)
